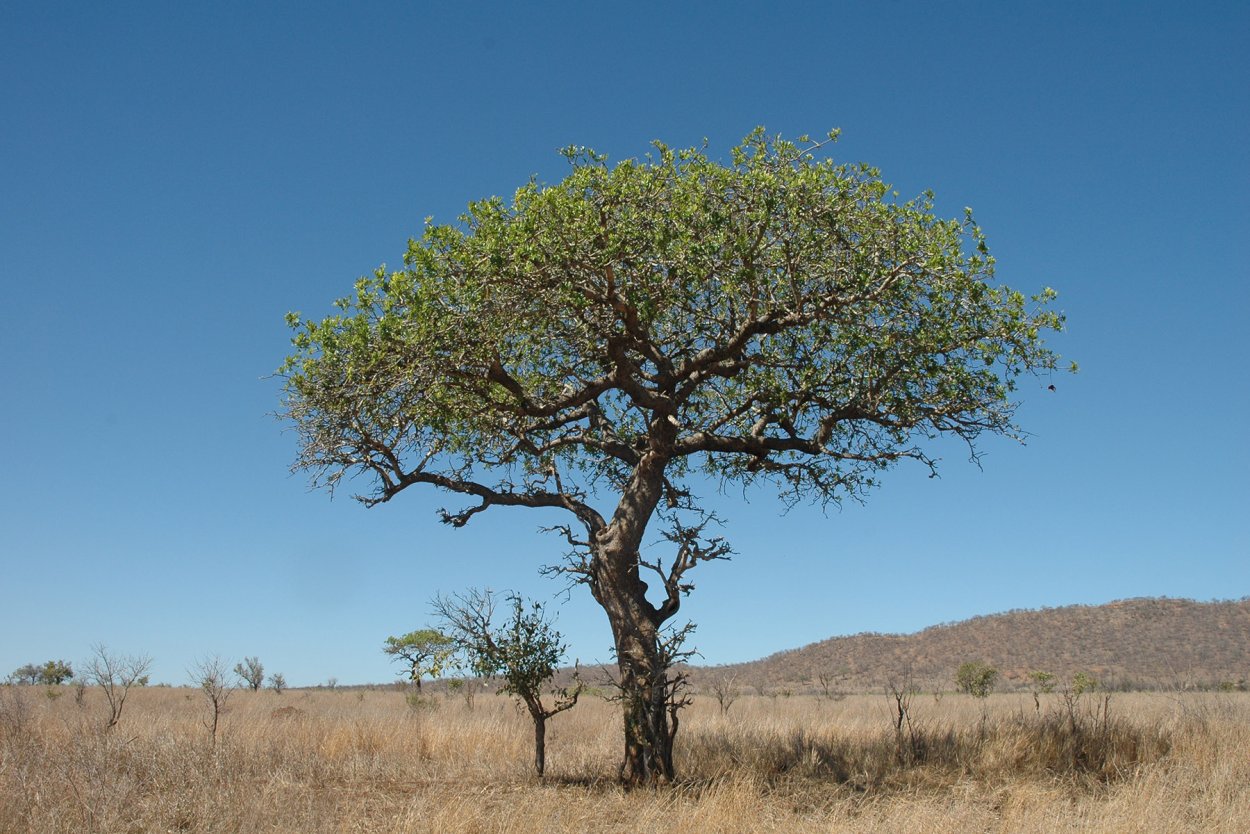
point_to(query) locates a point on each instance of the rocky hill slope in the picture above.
(1134, 643)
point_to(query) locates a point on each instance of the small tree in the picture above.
(277, 682)
(1072, 693)
(115, 674)
(426, 651)
(1040, 683)
(525, 652)
(252, 672)
(829, 684)
(725, 691)
(25, 674)
(976, 678)
(902, 691)
(55, 673)
(466, 689)
(210, 676)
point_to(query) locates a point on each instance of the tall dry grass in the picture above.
(330, 761)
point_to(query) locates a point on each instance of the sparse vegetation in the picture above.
(52, 673)
(209, 676)
(277, 682)
(830, 683)
(252, 672)
(1040, 683)
(1129, 645)
(114, 675)
(725, 691)
(1165, 763)
(15, 714)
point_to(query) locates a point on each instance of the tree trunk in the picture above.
(540, 743)
(648, 743)
(648, 755)
(617, 586)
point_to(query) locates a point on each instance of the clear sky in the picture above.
(176, 177)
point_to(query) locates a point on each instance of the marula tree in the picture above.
(596, 345)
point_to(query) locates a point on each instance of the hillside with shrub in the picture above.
(1129, 644)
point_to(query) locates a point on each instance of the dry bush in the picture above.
(337, 762)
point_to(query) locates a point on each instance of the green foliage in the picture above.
(55, 672)
(524, 652)
(976, 678)
(1042, 682)
(277, 682)
(427, 651)
(252, 672)
(25, 674)
(418, 702)
(52, 673)
(1083, 682)
(527, 653)
(784, 313)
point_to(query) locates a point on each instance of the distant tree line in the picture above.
(52, 673)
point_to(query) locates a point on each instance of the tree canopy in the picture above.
(782, 314)
(426, 651)
(251, 671)
(52, 673)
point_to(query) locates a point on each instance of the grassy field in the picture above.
(327, 761)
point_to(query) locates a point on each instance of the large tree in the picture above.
(598, 345)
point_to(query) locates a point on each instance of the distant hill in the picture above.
(1134, 643)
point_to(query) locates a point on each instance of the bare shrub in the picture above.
(830, 682)
(725, 691)
(209, 676)
(115, 675)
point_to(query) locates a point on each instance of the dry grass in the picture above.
(347, 761)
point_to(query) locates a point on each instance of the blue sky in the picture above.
(176, 177)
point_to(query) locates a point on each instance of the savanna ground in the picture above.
(365, 761)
